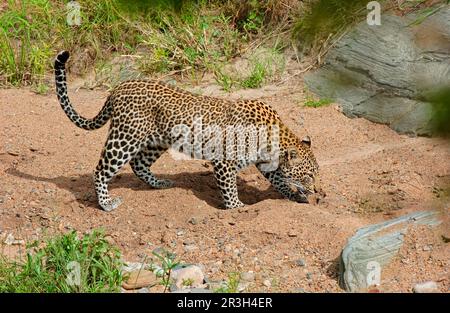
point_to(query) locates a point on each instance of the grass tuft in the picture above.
(66, 263)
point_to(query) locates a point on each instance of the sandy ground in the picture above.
(369, 172)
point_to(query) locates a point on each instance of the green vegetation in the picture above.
(184, 37)
(311, 103)
(165, 37)
(55, 267)
(231, 285)
(168, 263)
(323, 18)
(440, 101)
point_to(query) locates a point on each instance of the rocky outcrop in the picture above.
(374, 246)
(382, 72)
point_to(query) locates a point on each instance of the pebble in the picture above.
(193, 220)
(427, 248)
(10, 240)
(190, 248)
(193, 290)
(242, 286)
(267, 283)
(426, 287)
(191, 272)
(138, 279)
(248, 276)
(300, 262)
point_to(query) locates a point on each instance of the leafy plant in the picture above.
(66, 263)
(168, 263)
(231, 285)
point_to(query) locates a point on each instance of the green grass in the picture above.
(264, 66)
(51, 268)
(231, 285)
(311, 103)
(167, 37)
(257, 76)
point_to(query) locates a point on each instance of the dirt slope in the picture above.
(370, 174)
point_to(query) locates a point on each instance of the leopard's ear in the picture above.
(307, 141)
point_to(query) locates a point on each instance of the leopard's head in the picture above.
(299, 169)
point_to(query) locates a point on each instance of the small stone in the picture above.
(193, 290)
(267, 283)
(248, 276)
(13, 153)
(180, 233)
(309, 276)
(426, 287)
(299, 290)
(10, 240)
(242, 286)
(191, 273)
(427, 248)
(193, 220)
(190, 248)
(143, 290)
(139, 279)
(292, 233)
(300, 262)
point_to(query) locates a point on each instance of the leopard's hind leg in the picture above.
(119, 149)
(141, 167)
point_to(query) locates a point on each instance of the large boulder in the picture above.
(383, 72)
(374, 246)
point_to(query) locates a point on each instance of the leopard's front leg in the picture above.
(225, 173)
(278, 182)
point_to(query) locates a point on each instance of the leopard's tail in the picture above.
(61, 90)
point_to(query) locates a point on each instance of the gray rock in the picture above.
(193, 290)
(374, 246)
(242, 286)
(134, 266)
(143, 290)
(248, 276)
(190, 248)
(194, 220)
(191, 274)
(426, 287)
(215, 285)
(300, 262)
(381, 72)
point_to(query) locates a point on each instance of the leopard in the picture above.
(143, 114)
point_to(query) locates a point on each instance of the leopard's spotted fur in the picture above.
(143, 114)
